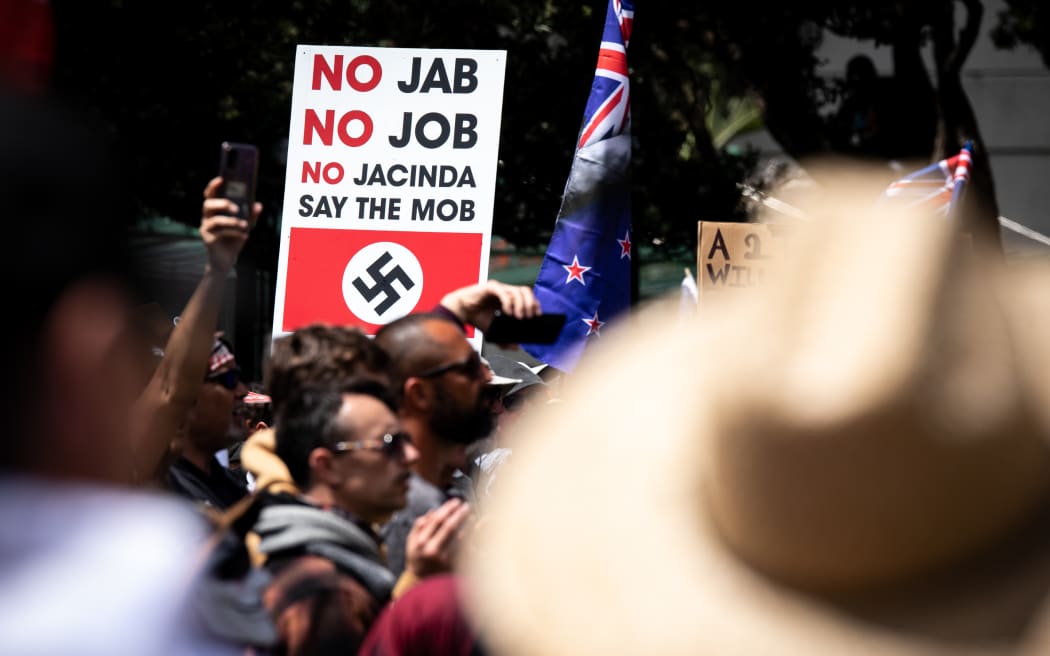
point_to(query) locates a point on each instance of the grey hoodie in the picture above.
(308, 529)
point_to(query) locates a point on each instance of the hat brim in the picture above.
(503, 381)
(615, 554)
(525, 384)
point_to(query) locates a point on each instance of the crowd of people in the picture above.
(183, 512)
(854, 460)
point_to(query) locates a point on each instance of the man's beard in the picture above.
(457, 425)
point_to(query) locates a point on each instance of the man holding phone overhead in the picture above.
(228, 214)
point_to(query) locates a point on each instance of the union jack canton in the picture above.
(586, 272)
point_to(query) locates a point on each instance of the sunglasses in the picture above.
(469, 366)
(392, 445)
(228, 379)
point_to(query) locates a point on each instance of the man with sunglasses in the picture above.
(441, 384)
(350, 460)
(212, 424)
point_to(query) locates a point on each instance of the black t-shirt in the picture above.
(219, 487)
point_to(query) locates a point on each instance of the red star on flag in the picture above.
(576, 271)
(625, 245)
(593, 325)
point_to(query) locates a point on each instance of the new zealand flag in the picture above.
(586, 272)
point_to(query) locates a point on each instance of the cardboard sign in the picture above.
(391, 175)
(737, 255)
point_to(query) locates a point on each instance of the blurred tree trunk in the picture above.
(957, 122)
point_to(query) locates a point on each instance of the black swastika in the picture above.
(383, 283)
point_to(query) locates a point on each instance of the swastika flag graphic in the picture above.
(368, 278)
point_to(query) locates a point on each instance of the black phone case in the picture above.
(239, 168)
(543, 329)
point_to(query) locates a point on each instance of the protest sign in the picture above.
(732, 256)
(390, 182)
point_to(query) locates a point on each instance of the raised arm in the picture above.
(161, 408)
(477, 304)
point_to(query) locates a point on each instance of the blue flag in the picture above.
(586, 272)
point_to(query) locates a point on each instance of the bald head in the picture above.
(439, 381)
(417, 342)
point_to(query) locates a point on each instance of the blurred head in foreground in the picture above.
(113, 567)
(851, 459)
(71, 366)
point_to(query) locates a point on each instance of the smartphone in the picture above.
(543, 329)
(239, 168)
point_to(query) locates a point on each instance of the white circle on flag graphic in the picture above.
(382, 282)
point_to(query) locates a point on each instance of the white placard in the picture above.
(386, 145)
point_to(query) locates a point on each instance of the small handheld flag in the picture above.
(938, 186)
(586, 272)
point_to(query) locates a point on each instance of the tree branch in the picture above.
(967, 36)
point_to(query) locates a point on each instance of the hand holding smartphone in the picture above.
(239, 168)
(541, 329)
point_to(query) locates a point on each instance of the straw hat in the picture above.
(852, 460)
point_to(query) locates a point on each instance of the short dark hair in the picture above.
(307, 420)
(321, 354)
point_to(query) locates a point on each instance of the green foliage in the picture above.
(175, 78)
(1024, 22)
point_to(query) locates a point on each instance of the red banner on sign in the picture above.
(318, 257)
